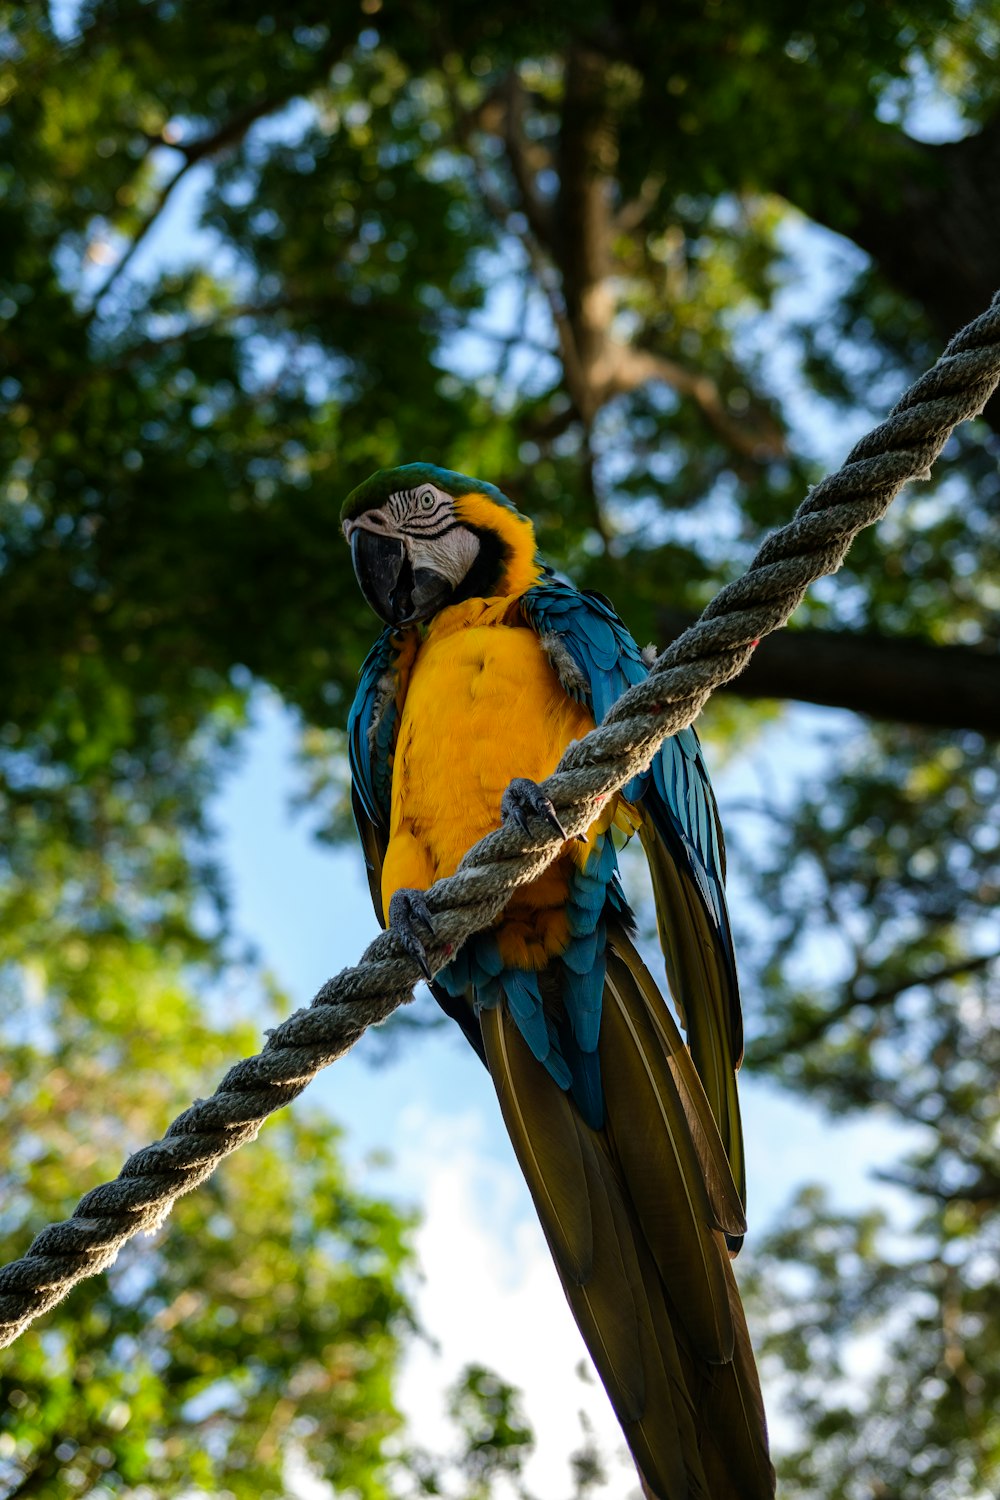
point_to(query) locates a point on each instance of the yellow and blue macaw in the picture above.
(488, 667)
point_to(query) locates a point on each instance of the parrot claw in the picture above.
(523, 797)
(406, 908)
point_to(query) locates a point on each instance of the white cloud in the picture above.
(489, 1294)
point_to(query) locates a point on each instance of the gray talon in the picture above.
(406, 908)
(523, 797)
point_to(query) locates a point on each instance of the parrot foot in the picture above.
(406, 908)
(523, 797)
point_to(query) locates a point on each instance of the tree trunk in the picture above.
(931, 223)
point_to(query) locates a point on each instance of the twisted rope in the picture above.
(713, 650)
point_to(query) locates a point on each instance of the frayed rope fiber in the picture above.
(714, 650)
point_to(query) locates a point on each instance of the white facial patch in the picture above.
(451, 554)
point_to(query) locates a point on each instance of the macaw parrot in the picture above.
(630, 1141)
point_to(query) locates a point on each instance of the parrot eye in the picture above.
(426, 498)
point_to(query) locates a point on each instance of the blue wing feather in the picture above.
(370, 755)
(675, 792)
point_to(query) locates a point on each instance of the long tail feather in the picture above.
(705, 989)
(634, 1215)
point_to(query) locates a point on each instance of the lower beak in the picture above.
(431, 591)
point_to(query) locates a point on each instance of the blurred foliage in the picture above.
(262, 1327)
(494, 1442)
(487, 1412)
(885, 1346)
(881, 972)
(248, 255)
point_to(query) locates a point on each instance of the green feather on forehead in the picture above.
(376, 490)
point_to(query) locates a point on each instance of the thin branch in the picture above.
(632, 368)
(463, 127)
(517, 338)
(228, 134)
(537, 212)
(633, 214)
(444, 321)
(590, 489)
(983, 1192)
(159, 204)
(805, 1035)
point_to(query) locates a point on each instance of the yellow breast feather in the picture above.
(483, 706)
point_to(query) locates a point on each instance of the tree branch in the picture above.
(313, 304)
(763, 1052)
(633, 214)
(934, 229)
(229, 133)
(464, 125)
(982, 1192)
(631, 368)
(159, 204)
(905, 681)
(570, 251)
(537, 212)
(588, 155)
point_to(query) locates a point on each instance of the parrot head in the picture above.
(422, 538)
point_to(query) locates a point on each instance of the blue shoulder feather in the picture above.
(370, 753)
(675, 792)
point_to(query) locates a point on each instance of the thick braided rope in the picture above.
(711, 652)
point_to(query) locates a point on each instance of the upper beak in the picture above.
(383, 573)
(398, 592)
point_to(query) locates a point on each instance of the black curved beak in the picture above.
(396, 593)
(380, 566)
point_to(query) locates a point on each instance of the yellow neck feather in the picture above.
(517, 533)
